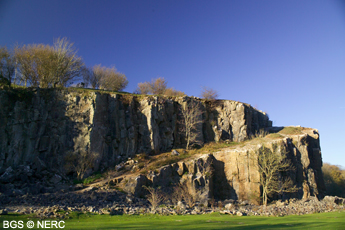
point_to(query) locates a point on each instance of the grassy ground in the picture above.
(333, 220)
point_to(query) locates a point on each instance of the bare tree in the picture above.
(185, 191)
(156, 86)
(44, 64)
(209, 94)
(143, 88)
(271, 165)
(67, 66)
(48, 66)
(87, 74)
(173, 92)
(108, 78)
(191, 119)
(25, 57)
(89, 78)
(155, 197)
(7, 64)
(80, 162)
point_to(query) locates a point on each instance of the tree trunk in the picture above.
(264, 197)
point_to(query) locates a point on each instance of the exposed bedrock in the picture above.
(233, 173)
(45, 124)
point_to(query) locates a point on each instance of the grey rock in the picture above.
(47, 129)
(8, 176)
(175, 153)
(228, 206)
(55, 179)
(39, 165)
(334, 199)
(238, 213)
(181, 206)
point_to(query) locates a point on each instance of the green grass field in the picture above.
(333, 220)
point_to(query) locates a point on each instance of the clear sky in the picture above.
(286, 58)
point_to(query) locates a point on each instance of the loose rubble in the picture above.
(113, 202)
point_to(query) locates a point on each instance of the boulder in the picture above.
(8, 176)
(180, 205)
(175, 153)
(228, 206)
(39, 165)
(55, 179)
(238, 213)
(334, 200)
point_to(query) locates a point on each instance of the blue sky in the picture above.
(286, 58)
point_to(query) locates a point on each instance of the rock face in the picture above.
(238, 170)
(233, 173)
(196, 174)
(43, 125)
(39, 128)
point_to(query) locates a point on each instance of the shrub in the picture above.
(209, 94)
(334, 178)
(155, 197)
(108, 78)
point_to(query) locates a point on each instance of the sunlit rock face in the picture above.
(38, 128)
(238, 170)
(46, 124)
(232, 173)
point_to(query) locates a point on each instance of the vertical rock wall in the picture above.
(233, 173)
(46, 124)
(238, 171)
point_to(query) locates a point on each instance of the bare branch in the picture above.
(108, 78)
(271, 163)
(191, 118)
(209, 94)
(155, 197)
(80, 162)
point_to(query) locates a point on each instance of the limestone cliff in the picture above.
(240, 171)
(232, 173)
(44, 124)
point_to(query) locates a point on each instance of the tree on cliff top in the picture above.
(67, 65)
(48, 66)
(209, 94)
(7, 64)
(108, 78)
(157, 86)
(271, 165)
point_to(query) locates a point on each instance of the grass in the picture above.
(291, 130)
(154, 162)
(274, 136)
(332, 220)
(89, 179)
